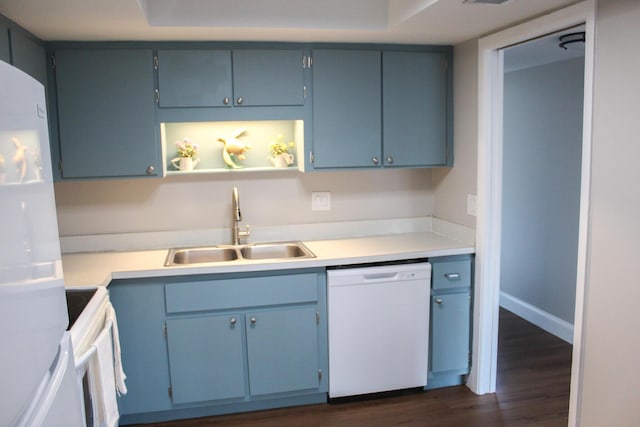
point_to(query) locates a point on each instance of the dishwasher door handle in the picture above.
(378, 276)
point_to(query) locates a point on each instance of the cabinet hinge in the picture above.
(60, 168)
(319, 375)
(157, 96)
(306, 61)
(156, 62)
(304, 91)
(164, 330)
(317, 317)
(53, 62)
(311, 157)
(170, 392)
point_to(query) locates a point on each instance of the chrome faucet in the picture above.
(237, 233)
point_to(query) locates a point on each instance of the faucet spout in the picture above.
(237, 233)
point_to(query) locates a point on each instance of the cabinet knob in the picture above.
(375, 160)
(240, 100)
(225, 100)
(150, 170)
(252, 320)
(438, 301)
(233, 321)
(389, 160)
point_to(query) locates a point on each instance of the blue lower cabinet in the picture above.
(450, 324)
(282, 348)
(250, 341)
(205, 358)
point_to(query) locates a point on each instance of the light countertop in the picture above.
(99, 268)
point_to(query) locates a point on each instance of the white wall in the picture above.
(199, 202)
(611, 368)
(542, 152)
(452, 185)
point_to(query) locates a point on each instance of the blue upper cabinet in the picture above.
(389, 108)
(415, 102)
(194, 78)
(28, 55)
(347, 99)
(225, 78)
(268, 77)
(106, 113)
(5, 53)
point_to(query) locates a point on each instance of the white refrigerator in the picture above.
(37, 370)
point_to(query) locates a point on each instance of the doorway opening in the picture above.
(490, 155)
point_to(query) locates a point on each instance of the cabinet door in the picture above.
(106, 113)
(450, 323)
(282, 348)
(144, 348)
(5, 53)
(414, 108)
(29, 56)
(347, 124)
(206, 358)
(268, 77)
(194, 78)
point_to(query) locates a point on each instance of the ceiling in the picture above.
(375, 21)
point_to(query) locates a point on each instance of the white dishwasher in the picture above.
(378, 328)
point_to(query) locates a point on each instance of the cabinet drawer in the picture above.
(226, 293)
(451, 274)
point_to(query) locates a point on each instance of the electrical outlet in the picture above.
(471, 204)
(321, 201)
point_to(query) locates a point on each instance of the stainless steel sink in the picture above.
(226, 253)
(200, 255)
(275, 251)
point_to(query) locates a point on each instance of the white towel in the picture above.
(120, 376)
(102, 381)
(106, 376)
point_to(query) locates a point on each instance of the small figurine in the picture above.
(235, 148)
(20, 158)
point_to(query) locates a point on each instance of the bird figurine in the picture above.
(234, 148)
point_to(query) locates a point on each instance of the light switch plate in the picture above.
(320, 200)
(471, 204)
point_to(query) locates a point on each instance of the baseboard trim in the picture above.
(550, 323)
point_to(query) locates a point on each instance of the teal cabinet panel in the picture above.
(414, 108)
(139, 307)
(347, 100)
(206, 358)
(194, 78)
(450, 320)
(282, 348)
(106, 113)
(230, 292)
(5, 52)
(268, 77)
(29, 56)
(451, 274)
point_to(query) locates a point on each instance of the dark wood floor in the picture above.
(533, 389)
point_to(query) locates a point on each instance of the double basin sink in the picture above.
(226, 253)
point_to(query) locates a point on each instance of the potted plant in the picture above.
(279, 152)
(187, 155)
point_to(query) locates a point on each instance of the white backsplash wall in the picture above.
(193, 202)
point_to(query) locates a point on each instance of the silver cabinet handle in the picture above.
(225, 100)
(240, 100)
(375, 160)
(233, 321)
(452, 276)
(438, 301)
(252, 320)
(150, 170)
(389, 160)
